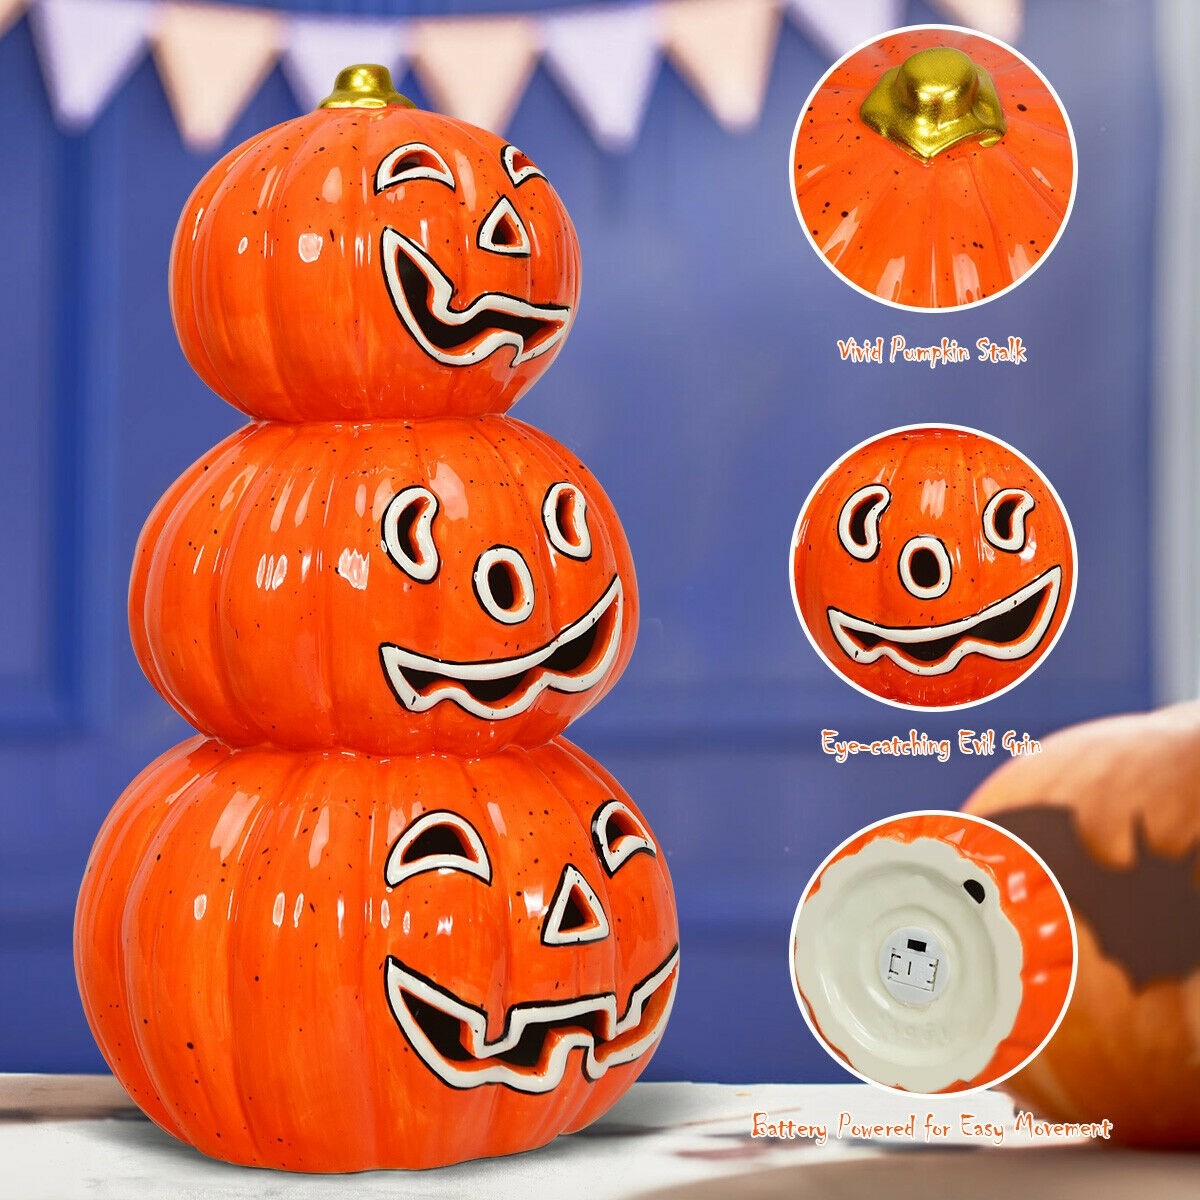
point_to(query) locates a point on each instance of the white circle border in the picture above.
(933, 708)
(917, 308)
(802, 1004)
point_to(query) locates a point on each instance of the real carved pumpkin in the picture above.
(1114, 808)
(933, 953)
(440, 585)
(370, 260)
(933, 567)
(334, 963)
(933, 168)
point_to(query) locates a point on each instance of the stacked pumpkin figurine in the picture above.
(379, 914)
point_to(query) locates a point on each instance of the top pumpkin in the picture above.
(370, 261)
(933, 168)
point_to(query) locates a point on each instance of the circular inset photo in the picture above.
(933, 567)
(933, 168)
(933, 952)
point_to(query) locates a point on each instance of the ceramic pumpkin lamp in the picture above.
(379, 914)
(933, 168)
(1113, 806)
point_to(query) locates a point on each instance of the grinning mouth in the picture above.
(577, 659)
(421, 295)
(1009, 629)
(450, 1036)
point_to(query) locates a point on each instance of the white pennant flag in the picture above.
(212, 59)
(319, 47)
(606, 61)
(724, 49)
(88, 48)
(1000, 18)
(475, 68)
(837, 26)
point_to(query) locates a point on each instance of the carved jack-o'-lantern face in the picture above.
(933, 567)
(426, 958)
(524, 1036)
(443, 585)
(372, 262)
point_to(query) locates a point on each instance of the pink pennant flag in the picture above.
(1000, 18)
(10, 10)
(724, 49)
(88, 48)
(319, 47)
(606, 61)
(212, 59)
(475, 68)
(837, 26)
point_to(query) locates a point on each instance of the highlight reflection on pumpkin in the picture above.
(933, 567)
(393, 588)
(333, 962)
(373, 262)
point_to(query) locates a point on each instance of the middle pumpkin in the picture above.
(394, 588)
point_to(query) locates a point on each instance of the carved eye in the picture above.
(619, 835)
(438, 841)
(1004, 518)
(858, 522)
(518, 166)
(503, 232)
(564, 513)
(408, 532)
(410, 162)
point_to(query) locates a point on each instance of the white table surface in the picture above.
(63, 1137)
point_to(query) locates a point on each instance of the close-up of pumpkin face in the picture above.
(373, 262)
(421, 959)
(444, 585)
(933, 567)
(1113, 806)
(933, 168)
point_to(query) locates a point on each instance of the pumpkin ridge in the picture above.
(134, 910)
(203, 255)
(224, 671)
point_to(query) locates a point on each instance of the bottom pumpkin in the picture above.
(336, 962)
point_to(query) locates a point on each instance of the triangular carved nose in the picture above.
(502, 231)
(575, 914)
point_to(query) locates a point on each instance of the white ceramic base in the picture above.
(905, 972)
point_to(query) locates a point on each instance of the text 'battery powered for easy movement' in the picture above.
(379, 914)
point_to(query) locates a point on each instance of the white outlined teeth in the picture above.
(503, 232)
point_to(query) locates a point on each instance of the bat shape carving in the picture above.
(1145, 917)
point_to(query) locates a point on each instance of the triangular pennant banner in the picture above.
(724, 49)
(87, 49)
(606, 61)
(10, 10)
(475, 68)
(838, 27)
(319, 47)
(1000, 18)
(212, 59)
